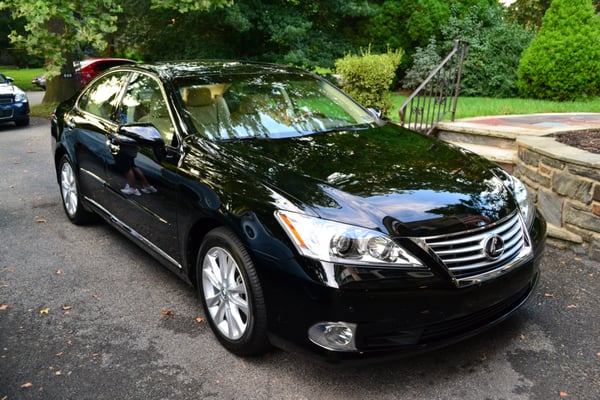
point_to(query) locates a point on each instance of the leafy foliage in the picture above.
(425, 61)
(56, 28)
(563, 62)
(495, 48)
(368, 77)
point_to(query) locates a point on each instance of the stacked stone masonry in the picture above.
(568, 193)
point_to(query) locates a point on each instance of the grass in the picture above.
(22, 76)
(481, 106)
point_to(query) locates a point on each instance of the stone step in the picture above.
(499, 155)
(495, 138)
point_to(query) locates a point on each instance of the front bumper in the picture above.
(398, 320)
(14, 112)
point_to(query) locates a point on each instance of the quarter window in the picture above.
(102, 97)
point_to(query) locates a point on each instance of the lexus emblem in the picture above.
(493, 247)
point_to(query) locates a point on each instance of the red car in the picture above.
(91, 67)
(87, 69)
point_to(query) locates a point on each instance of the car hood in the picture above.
(386, 178)
(8, 89)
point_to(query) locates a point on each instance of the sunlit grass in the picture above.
(22, 76)
(482, 106)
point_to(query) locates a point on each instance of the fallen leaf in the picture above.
(58, 272)
(44, 311)
(548, 295)
(564, 394)
(27, 385)
(95, 354)
(66, 308)
(59, 354)
(166, 312)
(70, 342)
(598, 354)
(96, 296)
(3, 307)
(41, 220)
(58, 373)
(11, 270)
(522, 337)
(571, 306)
(200, 320)
(577, 258)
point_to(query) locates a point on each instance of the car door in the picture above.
(89, 126)
(140, 176)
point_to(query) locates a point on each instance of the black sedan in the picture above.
(304, 220)
(14, 105)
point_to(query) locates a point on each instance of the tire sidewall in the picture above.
(249, 342)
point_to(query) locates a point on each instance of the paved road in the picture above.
(81, 317)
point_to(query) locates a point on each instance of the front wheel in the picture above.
(69, 191)
(231, 293)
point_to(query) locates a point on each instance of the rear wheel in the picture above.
(69, 190)
(231, 293)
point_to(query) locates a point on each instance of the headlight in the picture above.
(20, 97)
(340, 243)
(523, 199)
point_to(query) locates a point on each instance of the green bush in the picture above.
(368, 77)
(563, 62)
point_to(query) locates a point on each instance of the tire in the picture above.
(69, 192)
(231, 294)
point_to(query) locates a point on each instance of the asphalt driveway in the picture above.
(85, 314)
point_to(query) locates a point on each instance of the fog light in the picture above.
(336, 336)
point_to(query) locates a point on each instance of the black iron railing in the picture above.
(437, 95)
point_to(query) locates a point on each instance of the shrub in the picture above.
(368, 77)
(425, 60)
(563, 61)
(495, 50)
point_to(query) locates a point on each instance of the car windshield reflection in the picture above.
(275, 107)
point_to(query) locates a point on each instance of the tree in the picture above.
(529, 13)
(563, 61)
(62, 30)
(495, 49)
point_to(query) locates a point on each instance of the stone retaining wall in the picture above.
(566, 184)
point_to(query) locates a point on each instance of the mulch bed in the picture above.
(588, 140)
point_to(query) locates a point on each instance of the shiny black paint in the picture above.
(381, 176)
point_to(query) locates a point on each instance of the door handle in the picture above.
(113, 147)
(70, 124)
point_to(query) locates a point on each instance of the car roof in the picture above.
(184, 69)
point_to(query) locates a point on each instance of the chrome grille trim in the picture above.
(464, 255)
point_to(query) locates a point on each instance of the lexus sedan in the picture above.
(303, 220)
(14, 105)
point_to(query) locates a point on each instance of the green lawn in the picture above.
(481, 106)
(22, 76)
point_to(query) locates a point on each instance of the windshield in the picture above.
(272, 106)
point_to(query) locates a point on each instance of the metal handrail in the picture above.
(429, 102)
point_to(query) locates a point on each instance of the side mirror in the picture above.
(376, 112)
(9, 79)
(143, 133)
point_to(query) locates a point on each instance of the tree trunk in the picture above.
(65, 85)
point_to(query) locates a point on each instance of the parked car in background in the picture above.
(303, 219)
(39, 81)
(14, 105)
(87, 69)
(91, 67)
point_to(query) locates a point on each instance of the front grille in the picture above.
(6, 113)
(6, 100)
(465, 255)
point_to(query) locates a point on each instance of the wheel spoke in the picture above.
(225, 294)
